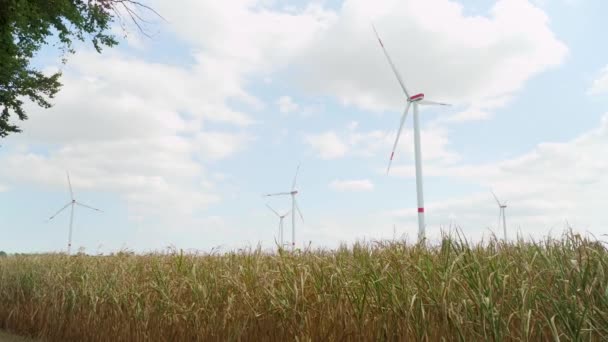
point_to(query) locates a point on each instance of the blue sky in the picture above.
(176, 137)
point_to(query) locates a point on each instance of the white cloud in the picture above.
(264, 39)
(600, 84)
(445, 53)
(134, 128)
(545, 187)
(286, 104)
(353, 142)
(328, 145)
(220, 145)
(352, 185)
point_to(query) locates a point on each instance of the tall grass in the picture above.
(527, 291)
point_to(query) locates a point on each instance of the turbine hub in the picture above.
(295, 192)
(416, 97)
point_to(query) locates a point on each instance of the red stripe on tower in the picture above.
(392, 155)
(421, 210)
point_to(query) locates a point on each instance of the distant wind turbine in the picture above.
(281, 218)
(501, 215)
(294, 207)
(73, 202)
(414, 100)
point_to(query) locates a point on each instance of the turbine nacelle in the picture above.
(295, 192)
(415, 98)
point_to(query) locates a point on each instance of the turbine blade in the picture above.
(390, 61)
(274, 211)
(278, 194)
(88, 207)
(433, 103)
(496, 198)
(295, 178)
(403, 117)
(298, 209)
(59, 211)
(70, 185)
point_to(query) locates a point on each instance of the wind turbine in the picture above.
(72, 203)
(294, 207)
(501, 215)
(281, 218)
(414, 101)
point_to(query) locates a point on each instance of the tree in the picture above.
(26, 26)
(2, 254)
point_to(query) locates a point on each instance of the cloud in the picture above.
(328, 145)
(265, 39)
(543, 188)
(220, 145)
(449, 55)
(365, 144)
(150, 175)
(352, 185)
(136, 129)
(286, 105)
(600, 84)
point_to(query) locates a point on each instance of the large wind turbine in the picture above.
(414, 101)
(501, 215)
(281, 218)
(294, 207)
(73, 202)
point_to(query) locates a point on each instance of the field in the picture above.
(526, 291)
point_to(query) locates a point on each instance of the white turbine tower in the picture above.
(501, 215)
(73, 202)
(281, 218)
(294, 207)
(414, 100)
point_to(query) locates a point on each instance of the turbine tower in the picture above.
(413, 101)
(294, 207)
(72, 203)
(281, 218)
(501, 215)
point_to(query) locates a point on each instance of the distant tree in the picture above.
(2, 254)
(27, 25)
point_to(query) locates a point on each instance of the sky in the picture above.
(176, 136)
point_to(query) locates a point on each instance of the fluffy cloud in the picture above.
(553, 184)
(478, 61)
(600, 84)
(133, 128)
(286, 104)
(352, 185)
(328, 145)
(353, 142)
(264, 39)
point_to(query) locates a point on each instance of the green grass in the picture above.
(550, 290)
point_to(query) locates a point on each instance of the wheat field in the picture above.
(552, 290)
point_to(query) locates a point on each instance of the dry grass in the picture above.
(549, 290)
(6, 337)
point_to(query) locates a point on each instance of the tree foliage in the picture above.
(27, 25)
